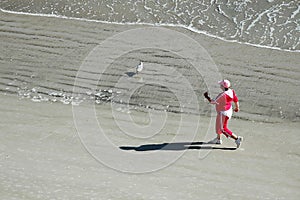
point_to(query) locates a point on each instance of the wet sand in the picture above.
(42, 151)
(44, 54)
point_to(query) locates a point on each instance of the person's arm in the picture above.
(237, 106)
(236, 102)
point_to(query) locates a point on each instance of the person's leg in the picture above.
(229, 133)
(226, 131)
(219, 125)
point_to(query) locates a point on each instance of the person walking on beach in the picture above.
(224, 109)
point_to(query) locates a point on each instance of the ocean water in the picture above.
(40, 56)
(267, 23)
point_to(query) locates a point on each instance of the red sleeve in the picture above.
(235, 98)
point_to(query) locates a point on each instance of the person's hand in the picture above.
(207, 96)
(236, 110)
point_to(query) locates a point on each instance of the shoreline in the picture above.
(149, 24)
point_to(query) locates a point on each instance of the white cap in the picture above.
(225, 83)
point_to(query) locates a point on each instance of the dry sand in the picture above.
(43, 157)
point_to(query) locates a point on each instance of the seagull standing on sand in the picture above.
(139, 67)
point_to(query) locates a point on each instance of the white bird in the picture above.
(139, 67)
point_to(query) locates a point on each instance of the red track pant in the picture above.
(221, 125)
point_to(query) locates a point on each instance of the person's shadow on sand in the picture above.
(179, 146)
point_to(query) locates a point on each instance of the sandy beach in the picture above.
(51, 148)
(43, 158)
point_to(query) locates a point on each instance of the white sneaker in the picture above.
(238, 142)
(215, 141)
